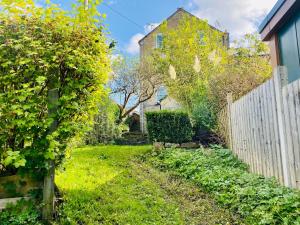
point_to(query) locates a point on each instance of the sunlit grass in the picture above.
(99, 188)
(109, 185)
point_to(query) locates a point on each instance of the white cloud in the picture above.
(133, 46)
(150, 27)
(236, 16)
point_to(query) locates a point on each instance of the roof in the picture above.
(178, 10)
(271, 14)
(280, 14)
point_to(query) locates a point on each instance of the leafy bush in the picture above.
(202, 115)
(105, 128)
(257, 199)
(43, 49)
(169, 126)
(23, 213)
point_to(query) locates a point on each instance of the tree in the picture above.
(194, 51)
(199, 70)
(135, 83)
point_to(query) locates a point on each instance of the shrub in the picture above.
(169, 126)
(43, 49)
(256, 199)
(105, 128)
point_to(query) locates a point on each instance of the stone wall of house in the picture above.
(146, 46)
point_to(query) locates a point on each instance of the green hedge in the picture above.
(256, 199)
(169, 126)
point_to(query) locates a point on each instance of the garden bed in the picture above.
(256, 199)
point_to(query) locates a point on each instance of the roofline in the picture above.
(270, 15)
(279, 15)
(179, 9)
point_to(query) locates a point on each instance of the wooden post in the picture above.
(280, 80)
(48, 190)
(229, 106)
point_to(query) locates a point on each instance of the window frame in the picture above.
(157, 44)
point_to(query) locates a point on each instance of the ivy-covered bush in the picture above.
(256, 199)
(169, 126)
(43, 49)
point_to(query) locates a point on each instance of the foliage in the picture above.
(135, 84)
(105, 128)
(203, 114)
(257, 199)
(43, 49)
(133, 122)
(199, 71)
(120, 189)
(169, 126)
(23, 213)
(196, 52)
(248, 67)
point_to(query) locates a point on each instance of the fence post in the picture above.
(48, 189)
(280, 80)
(229, 106)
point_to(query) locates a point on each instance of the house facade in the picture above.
(281, 28)
(154, 39)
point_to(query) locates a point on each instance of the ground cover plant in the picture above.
(257, 199)
(23, 213)
(116, 185)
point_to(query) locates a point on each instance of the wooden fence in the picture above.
(263, 128)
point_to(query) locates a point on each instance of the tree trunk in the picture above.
(48, 190)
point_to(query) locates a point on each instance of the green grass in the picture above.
(109, 185)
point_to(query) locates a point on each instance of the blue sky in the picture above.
(236, 16)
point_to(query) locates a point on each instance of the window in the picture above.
(161, 93)
(159, 40)
(202, 38)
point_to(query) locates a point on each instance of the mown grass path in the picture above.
(110, 185)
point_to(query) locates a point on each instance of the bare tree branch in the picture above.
(135, 83)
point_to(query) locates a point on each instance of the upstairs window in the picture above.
(159, 40)
(202, 38)
(161, 93)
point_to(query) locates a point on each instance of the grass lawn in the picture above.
(110, 185)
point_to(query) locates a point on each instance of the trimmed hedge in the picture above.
(169, 126)
(258, 200)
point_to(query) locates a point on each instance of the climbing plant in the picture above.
(43, 49)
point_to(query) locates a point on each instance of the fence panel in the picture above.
(263, 128)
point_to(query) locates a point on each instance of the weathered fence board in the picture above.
(263, 128)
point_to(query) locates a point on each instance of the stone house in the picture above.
(154, 39)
